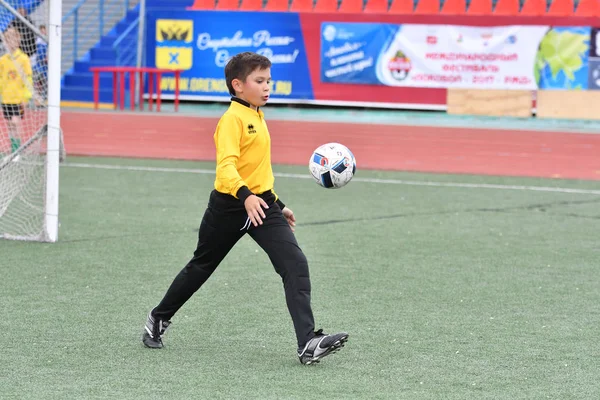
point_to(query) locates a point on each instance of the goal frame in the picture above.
(54, 133)
(52, 129)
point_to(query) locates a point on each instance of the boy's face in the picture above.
(255, 90)
(12, 39)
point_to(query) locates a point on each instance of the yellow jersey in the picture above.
(13, 67)
(243, 147)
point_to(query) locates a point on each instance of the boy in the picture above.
(40, 68)
(243, 202)
(26, 35)
(15, 75)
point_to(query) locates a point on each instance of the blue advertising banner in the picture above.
(446, 56)
(201, 42)
(349, 51)
(594, 62)
(562, 60)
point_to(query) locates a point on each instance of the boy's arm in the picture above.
(227, 142)
(29, 76)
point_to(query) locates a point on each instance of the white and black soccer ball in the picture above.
(332, 165)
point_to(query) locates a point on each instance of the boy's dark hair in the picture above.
(243, 64)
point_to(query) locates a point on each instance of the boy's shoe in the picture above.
(320, 346)
(154, 331)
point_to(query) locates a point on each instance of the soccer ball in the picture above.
(332, 165)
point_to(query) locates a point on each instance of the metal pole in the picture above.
(101, 23)
(54, 133)
(140, 45)
(75, 33)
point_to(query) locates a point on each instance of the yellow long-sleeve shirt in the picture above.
(243, 147)
(13, 88)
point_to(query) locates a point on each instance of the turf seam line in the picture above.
(355, 179)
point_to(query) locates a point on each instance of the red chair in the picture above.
(454, 7)
(428, 7)
(480, 7)
(277, 5)
(251, 5)
(402, 7)
(326, 6)
(588, 8)
(561, 8)
(202, 5)
(228, 5)
(534, 8)
(302, 5)
(351, 6)
(376, 7)
(507, 7)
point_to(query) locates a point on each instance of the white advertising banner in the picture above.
(462, 57)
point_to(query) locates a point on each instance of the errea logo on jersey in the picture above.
(251, 129)
(174, 49)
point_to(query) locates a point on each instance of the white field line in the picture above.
(356, 179)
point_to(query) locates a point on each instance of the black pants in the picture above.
(224, 223)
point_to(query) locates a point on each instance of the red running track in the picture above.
(386, 147)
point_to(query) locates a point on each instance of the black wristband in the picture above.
(243, 193)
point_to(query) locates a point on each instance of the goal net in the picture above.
(25, 147)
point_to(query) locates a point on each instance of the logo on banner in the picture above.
(329, 33)
(595, 42)
(594, 77)
(486, 38)
(174, 49)
(399, 66)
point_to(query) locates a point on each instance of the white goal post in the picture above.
(30, 135)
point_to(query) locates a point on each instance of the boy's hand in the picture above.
(254, 207)
(289, 215)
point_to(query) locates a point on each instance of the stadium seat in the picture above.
(277, 5)
(588, 8)
(326, 6)
(251, 5)
(428, 7)
(534, 8)
(507, 7)
(202, 5)
(480, 7)
(376, 6)
(302, 5)
(454, 7)
(561, 8)
(351, 6)
(228, 5)
(402, 7)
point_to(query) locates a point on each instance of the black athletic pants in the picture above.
(224, 223)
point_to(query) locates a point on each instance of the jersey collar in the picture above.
(245, 103)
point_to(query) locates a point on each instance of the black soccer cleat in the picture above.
(320, 346)
(154, 331)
